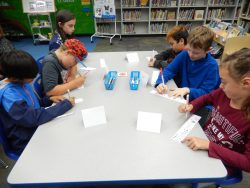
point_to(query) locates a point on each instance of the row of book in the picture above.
(159, 3)
(158, 27)
(131, 15)
(129, 28)
(103, 28)
(133, 3)
(188, 2)
(221, 2)
(162, 15)
(216, 13)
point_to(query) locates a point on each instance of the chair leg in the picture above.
(3, 164)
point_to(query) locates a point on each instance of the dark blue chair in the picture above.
(6, 147)
(230, 180)
(37, 82)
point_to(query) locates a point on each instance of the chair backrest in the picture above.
(230, 180)
(6, 147)
(37, 82)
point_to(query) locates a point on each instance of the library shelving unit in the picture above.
(143, 17)
(41, 27)
(244, 15)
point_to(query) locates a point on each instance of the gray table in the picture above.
(63, 151)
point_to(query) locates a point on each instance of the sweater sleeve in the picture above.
(30, 117)
(230, 157)
(171, 70)
(203, 101)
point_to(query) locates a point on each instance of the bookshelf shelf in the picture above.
(244, 15)
(158, 16)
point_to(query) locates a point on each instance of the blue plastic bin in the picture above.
(134, 80)
(110, 80)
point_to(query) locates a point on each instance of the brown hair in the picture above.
(178, 32)
(201, 37)
(238, 66)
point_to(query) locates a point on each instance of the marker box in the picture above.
(110, 80)
(134, 80)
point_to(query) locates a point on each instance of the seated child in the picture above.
(228, 128)
(177, 38)
(21, 112)
(197, 68)
(57, 65)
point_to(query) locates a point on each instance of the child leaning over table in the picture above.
(56, 66)
(21, 112)
(198, 70)
(177, 39)
(228, 128)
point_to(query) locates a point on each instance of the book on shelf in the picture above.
(171, 15)
(233, 32)
(173, 3)
(198, 14)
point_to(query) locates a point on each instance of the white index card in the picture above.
(186, 128)
(94, 116)
(78, 100)
(150, 122)
(177, 99)
(132, 58)
(154, 77)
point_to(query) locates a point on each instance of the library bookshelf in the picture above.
(149, 17)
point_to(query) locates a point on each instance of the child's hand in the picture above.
(72, 101)
(79, 81)
(196, 143)
(57, 99)
(162, 88)
(151, 62)
(180, 92)
(183, 108)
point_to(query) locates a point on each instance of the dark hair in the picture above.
(19, 65)
(201, 37)
(63, 16)
(238, 66)
(177, 33)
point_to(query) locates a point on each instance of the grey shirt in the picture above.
(51, 72)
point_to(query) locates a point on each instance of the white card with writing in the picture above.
(186, 128)
(150, 122)
(132, 58)
(177, 99)
(78, 100)
(94, 116)
(154, 77)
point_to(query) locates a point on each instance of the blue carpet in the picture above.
(40, 50)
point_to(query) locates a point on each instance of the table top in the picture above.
(64, 151)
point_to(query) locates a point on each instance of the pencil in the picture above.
(187, 100)
(68, 93)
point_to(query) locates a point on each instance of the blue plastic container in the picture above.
(110, 80)
(134, 80)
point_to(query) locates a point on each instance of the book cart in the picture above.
(105, 20)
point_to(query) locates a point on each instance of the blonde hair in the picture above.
(201, 37)
(238, 66)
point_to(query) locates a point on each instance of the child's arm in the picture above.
(71, 74)
(27, 116)
(171, 70)
(230, 157)
(161, 59)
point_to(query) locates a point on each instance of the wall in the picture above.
(14, 14)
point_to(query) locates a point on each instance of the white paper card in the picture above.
(154, 77)
(177, 99)
(94, 116)
(64, 115)
(144, 79)
(78, 100)
(148, 58)
(132, 58)
(87, 68)
(102, 63)
(186, 128)
(150, 122)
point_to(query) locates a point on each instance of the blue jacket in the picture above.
(21, 114)
(55, 42)
(201, 76)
